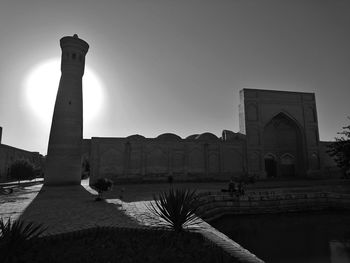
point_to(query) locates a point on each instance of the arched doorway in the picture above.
(282, 137)
(270, 166)
(287, 165)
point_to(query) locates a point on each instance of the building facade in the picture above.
(9, 154)
(278, 138)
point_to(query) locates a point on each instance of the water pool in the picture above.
(295, 237)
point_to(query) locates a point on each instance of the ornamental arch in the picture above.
(283, 138)
(270, 162)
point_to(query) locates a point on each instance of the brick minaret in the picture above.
(63, 162)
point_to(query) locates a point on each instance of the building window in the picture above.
(74, 56)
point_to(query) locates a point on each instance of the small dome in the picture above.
(135, 137)
(169, 137)
(192, 137)
(207, 136)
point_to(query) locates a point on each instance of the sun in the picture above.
(41, 85)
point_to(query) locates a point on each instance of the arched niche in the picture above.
(196, 161)
(310, 114)
(312, 136)
(111, 162)
(157, 161)
(178, 162)
(254, 161)
(135, 159)
(253, 137)
(270, 162)
(232, 160)
(213, 163)
(287, 165)
(283, 136)
(314, 161)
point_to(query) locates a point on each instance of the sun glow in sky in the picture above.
(41, 85)
(170, 66)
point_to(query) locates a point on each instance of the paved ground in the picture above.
(70, 203)
(14, 204)
(66, 209)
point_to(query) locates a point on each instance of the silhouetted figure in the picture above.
(232, 187)
(241, 188)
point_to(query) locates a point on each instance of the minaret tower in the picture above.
(63, 161)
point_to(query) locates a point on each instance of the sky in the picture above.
(173, 66)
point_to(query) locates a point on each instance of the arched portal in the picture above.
(270, 166)
(282, 137)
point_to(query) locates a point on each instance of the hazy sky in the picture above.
(177, 66)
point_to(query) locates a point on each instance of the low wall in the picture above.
(217, 204)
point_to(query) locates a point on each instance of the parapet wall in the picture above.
(217, 204)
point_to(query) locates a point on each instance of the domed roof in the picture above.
(192, 137)
(207, 136)
(169, 137)
(135, 137)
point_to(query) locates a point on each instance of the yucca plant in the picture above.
(14, 237)
(177, 208)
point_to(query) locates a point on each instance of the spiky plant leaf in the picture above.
(177, 208)
(14, 236)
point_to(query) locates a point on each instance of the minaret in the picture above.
(63, 161)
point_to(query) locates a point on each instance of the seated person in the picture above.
(232, 186)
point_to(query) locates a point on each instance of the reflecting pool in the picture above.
(294, 237)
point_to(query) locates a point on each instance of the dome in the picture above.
(192, 137)
(135, 137)
(169, 137)
(207, 136)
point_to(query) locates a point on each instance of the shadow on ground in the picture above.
(73, 208)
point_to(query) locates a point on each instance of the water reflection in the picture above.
(295, 237)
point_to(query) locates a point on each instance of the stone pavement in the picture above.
(73, 208)
(14, 204)
(70, 209)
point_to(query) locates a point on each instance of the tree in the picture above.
(340, 149)
(22, 170)
(102, 185)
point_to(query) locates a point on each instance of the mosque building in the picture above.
(278, 138)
